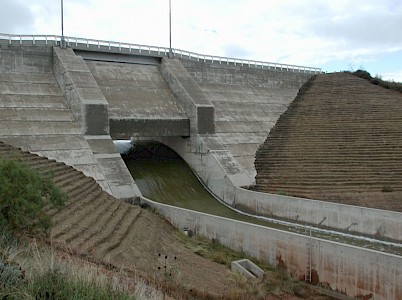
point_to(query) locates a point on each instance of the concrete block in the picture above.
(247, 268)
(128, 128)
(101, 144)
(96, 119)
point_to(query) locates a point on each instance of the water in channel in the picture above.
(162, 176)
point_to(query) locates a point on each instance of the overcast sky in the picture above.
(334, 35)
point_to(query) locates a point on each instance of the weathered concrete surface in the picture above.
(203, 139)
(247, 268)
(222, 180)
(355, 271)
(247, 102)
(90, 108)
(140, 101)
(373, 222)
(118, 178)
(34, 114)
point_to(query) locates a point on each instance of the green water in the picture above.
(172, 182)
(164, 177)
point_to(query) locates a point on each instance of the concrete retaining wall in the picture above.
(224, 182)
(348, 269)
(373, 222)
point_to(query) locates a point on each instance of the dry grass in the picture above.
(30, 269)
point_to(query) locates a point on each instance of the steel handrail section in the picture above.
(93, 44)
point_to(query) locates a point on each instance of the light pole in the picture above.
(62, 42)
(170, 29)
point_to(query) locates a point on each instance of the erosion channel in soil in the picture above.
(163, 176)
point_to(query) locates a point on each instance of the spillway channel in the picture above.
(164, 177)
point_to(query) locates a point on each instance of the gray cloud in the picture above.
(362, 30)
(14, 17)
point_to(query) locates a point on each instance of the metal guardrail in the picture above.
(128, 48)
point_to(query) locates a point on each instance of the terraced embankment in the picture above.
(97, 226)
(339, 140)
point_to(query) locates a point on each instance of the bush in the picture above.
(363, 74)
(23, 195)
(395, 86)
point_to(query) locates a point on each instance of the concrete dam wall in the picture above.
(229, 108)
(212, 114)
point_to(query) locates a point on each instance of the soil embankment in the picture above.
(338, 141)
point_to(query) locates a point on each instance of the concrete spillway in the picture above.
(163, 176)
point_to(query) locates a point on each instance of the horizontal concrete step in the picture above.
(30, 88)
(32, 101)
(38, 128)
(36, 114)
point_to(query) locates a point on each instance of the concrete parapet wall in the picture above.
(373, 222)
(347, 269)
(206, 72)
(81, 91)
(198, 108)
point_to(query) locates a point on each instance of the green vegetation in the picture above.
(275, 280)
(392, 85)
(28, 272)
(23, 195)
(282, 193)
(25, 271)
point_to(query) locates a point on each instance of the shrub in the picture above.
(23, 195)
(396, 86)
(363, 74)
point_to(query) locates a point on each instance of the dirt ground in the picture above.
(144, 248)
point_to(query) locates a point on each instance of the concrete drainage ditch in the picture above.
(247, 268)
